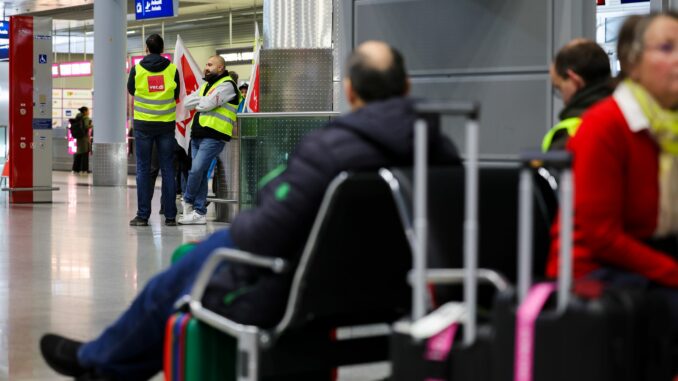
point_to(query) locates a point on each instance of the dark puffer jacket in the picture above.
(377, 135)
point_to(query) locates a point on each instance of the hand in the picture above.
(192, 100)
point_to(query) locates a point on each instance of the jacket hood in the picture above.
(154, 63)
(386, 123)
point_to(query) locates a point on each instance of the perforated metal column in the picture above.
(109, 164)
(296, 80)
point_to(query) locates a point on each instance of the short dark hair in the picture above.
(83, 109)
(155, 44)
(372, 84)
(586, 58)
(244, 86)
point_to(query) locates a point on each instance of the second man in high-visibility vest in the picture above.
(154, 83)
(216, 103)
(580, 74)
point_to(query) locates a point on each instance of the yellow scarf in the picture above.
(664, 128)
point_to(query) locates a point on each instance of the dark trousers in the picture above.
(164, 142)
(81, 162)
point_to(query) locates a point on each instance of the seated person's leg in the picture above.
(131, 348)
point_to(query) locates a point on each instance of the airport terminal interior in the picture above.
(72, 257)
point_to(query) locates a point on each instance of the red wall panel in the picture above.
(21, 107)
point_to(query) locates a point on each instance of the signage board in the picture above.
(4, 50)
(4, 40)
(4, 29)
(237, 55)
(74, 69)
(153, 9)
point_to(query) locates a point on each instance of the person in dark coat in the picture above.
(155, 86)
(581, 75)
(83, 144)
(377, 133)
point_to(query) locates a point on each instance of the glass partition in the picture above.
(266, 141)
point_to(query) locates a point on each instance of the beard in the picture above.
(209, 76)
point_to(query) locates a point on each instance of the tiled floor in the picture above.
(73, 265)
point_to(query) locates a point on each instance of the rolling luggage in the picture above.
(195, 351)
(588, 331)
(426, 347)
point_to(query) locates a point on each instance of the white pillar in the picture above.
(110, 79)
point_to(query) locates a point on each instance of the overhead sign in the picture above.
(237, 56)
(153, 9)
(73, 69)
(4, 29)
(4, 52)
(4, 40)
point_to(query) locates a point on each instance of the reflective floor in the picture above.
(73, 265)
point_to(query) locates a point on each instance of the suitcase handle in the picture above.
(563, 161)
(471, 112)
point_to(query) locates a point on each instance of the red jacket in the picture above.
(616, 198)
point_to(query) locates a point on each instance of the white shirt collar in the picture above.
(634, 115)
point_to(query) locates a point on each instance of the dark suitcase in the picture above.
(589, 331)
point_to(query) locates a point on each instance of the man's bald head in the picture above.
(215, 66)
(376, 71)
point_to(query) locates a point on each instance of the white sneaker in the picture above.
(188, 208)
(193, 218)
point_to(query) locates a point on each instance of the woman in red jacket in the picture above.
(626, 170)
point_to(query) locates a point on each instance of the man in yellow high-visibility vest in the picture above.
(580, 74)
(216, 103)
(154, 83)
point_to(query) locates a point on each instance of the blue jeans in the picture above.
(203, 151)
(131, 348)
(164, 142)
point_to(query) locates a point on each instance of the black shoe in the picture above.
(138, 221)
(170, 222)
(61, 354)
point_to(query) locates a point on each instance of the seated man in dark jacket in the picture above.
(378, 132)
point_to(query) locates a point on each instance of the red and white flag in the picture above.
(190, 77)
(252, 99)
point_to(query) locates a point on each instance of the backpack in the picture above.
(77, 127)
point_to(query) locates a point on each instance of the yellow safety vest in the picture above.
(569, 124)
(154, 94)
(221, 118)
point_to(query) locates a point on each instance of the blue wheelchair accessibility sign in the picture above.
(42, 58)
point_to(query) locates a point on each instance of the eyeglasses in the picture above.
(667, 48)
